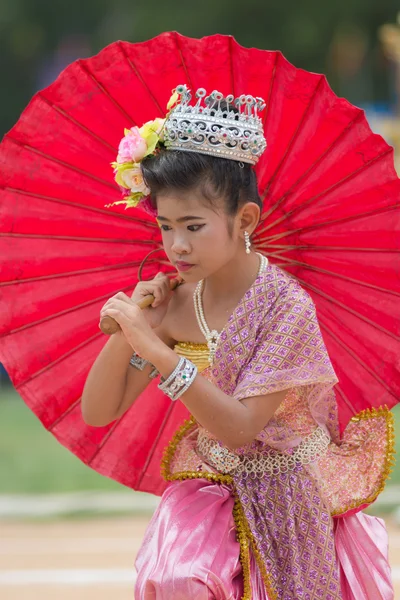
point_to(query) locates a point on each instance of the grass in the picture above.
(32, 461)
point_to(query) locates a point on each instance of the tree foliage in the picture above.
(31, 34)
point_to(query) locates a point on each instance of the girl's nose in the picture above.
(180, 246)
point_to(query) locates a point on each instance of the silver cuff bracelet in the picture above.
(139, 363)
(180, 379)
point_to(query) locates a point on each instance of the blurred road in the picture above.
(87, 559)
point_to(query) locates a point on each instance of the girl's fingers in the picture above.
(119, 296)
(118, 316)
(159, 296)
(116, 304)
(159, 287)
(148, 288)
(124, 306)
(122, 297)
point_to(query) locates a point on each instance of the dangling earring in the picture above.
(247, 241)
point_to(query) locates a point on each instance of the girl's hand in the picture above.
(134, 325)
(160, 288)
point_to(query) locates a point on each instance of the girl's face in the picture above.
(195, 234)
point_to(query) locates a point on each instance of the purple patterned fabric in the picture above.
(293, 530)
(273, 342)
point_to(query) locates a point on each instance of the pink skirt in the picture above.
(190, 550)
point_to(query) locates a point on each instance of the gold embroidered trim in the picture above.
(245, 536)
(241, 532)
(197, 353)
(242, 528)
(193, 346)
(374, 413)
(170, 451)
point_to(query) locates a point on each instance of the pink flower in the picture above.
(132, 147)
(147, 206)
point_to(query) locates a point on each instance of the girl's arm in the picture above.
(113, 384)
(235, 423)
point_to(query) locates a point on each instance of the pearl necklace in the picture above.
(212, 337)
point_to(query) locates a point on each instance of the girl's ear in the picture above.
(249, 216)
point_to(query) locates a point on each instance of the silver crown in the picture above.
(216, 128)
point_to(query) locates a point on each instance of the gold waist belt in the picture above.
(268, 461)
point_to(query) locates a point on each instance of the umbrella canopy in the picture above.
(330, 219)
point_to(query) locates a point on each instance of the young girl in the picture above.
(259, 471)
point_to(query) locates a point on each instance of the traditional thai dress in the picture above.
(279, 518)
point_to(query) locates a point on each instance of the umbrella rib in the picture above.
(102, 442)
(106, 438)
(271, 85)
(95, 209)
(358, 359)
(345, 398)
(64, 414)
(294, 137)
(62, 163)
(156, 440)
(86, 70)
(328, 190)
(346, 308)
(70, 118)
(66, 311)
(104, 268)
(288, 247)
(339, 276)
(139, 76)
(312, 167)
(37, 236)
(59, 359)
(347, 219)
(187, 75)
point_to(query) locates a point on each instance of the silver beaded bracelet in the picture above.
(180, 379)
(139, 363)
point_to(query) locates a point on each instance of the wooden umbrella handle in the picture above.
(109, 326)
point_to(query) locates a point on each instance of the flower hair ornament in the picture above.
(225, 127)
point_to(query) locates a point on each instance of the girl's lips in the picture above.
(182, 266)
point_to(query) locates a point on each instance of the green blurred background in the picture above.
(356, 43)
(344, 39)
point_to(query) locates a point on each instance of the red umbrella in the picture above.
(331, 219)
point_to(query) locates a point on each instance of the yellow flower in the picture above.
(133, 180)
(173, 100)
(150, 132)
(119, 169)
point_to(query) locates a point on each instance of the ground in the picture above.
(80, 555)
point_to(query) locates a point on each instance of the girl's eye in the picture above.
(190, 227)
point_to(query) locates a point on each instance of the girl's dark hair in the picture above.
(215, 177)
